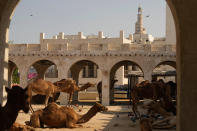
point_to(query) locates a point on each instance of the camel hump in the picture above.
(51, 107)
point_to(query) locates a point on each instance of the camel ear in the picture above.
(7, 89)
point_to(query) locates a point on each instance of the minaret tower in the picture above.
(140, 36)
(139, 29)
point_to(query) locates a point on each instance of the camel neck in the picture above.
(86, 117)
(11, 109)
(9, 114)
(83, 87)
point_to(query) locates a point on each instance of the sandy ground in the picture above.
(106, 121)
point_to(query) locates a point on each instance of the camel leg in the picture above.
(46, 100)
(53, 98)
(30, 102)
(162, 121)
(70, 96)
(134, 108)
(70, 124)
(31, 108)
(164, 127)
(99, 96)
(160, 124)
(35, 120)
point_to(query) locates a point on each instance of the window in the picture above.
(90, 71)
(84, 72)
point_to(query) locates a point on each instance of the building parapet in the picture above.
(80, 38)
(93, 47)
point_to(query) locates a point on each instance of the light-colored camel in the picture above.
(17, 99)
(169, 120)
(61, 116)
(155, 107)
(43, 87)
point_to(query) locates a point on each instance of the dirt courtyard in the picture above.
(116, 119)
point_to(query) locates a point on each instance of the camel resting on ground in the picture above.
(43, 87)
(17, 99)
(61, 116)
(169, 120)
(155, 107)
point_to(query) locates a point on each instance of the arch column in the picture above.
(6, 9)
(105, 88)
(147, 68)
(23, 76)
(75, 75)
(63, 74)
(3, 72)
(186, 63)
(41, 71)
(148, 75)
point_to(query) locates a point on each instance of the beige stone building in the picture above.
(186, 27)
(92, 58)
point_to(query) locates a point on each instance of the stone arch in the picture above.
(165, 70)
(76, 69)
(12, 67)
(118, 64)
(79, 64)
(115, 67)
(167, 62)
(41, 67)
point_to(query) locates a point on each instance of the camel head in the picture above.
(20, 97)
(101, 107)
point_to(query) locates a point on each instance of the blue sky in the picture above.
(88, 16)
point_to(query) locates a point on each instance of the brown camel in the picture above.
(99, 88)
(154, 90)
(61, 116)
(70, 86)
(49, 89)
(17, 99)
